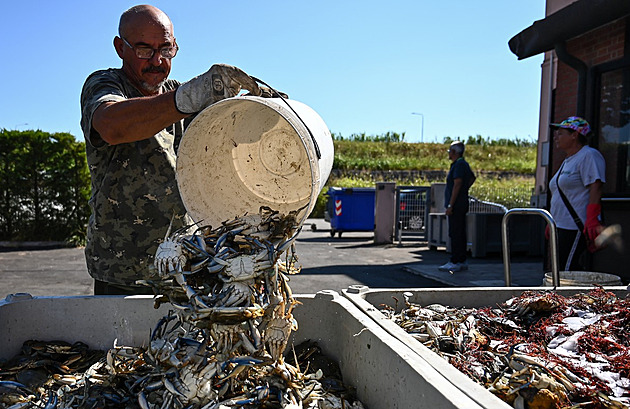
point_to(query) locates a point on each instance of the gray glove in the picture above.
(267, 92)
(219, 82)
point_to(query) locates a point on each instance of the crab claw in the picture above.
(169, 257)
(277, 335)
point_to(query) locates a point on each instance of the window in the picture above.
(614, 128)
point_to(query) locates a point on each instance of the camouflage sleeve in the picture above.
(101, 86)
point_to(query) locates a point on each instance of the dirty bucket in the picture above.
(246, 152)
(582, 278)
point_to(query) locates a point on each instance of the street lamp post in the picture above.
(422, 132)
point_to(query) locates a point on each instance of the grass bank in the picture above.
(505, 174)
(431, 156)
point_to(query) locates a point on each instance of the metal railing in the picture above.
(553, 233)
(483, 206)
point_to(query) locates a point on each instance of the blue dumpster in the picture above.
(350, 209)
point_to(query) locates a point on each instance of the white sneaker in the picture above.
(447, 267)
(454, 267)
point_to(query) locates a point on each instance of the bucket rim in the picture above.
(577, 277)
(584, 272)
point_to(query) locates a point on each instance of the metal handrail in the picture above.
(553, 235)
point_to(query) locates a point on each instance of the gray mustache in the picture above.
(154, 69)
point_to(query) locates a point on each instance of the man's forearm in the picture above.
(135, 119)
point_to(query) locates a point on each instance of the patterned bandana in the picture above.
(574, 123)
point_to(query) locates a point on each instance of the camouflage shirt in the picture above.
(134, 191)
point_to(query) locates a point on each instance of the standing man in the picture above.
(132, 120)
(458, 181)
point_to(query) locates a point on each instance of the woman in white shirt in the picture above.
(580, 178)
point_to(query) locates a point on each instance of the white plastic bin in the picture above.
(386, 373)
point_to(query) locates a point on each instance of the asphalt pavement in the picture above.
(328, 263)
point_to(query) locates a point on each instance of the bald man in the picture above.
(132, 120)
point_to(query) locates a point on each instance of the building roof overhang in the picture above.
(576, 19)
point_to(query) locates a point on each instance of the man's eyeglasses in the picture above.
(146, 53)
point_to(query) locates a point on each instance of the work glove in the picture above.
(592, 227)
(267, 92)
(219, 82)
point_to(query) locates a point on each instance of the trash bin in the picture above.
(350, 209)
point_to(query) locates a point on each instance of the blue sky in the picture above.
(364, 66)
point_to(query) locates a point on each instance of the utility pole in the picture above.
(422, 129)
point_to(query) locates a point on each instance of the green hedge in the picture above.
(45, 187)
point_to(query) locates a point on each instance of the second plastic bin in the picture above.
(371, 301)
(350, 209)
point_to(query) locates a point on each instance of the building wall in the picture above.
(545, 137)
(593, 48)
(596, 47)
(559, 100)
(559, 88)
(547, 85)
(554, 5)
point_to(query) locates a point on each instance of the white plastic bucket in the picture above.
(582, 278)
(246, 152)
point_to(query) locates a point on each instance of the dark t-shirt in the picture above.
(459, 170)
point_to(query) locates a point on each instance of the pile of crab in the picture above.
(221, 345)
(538, 350)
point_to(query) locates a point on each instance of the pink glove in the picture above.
(592, 227)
